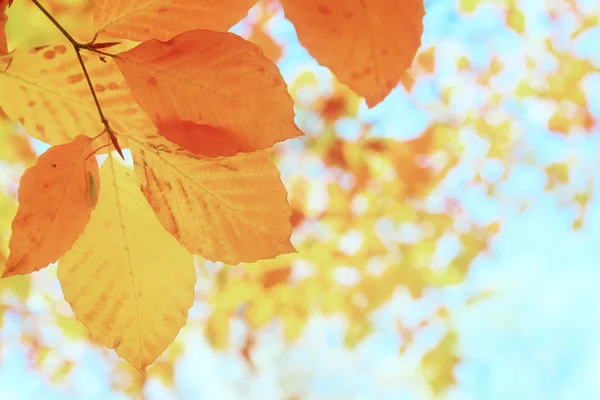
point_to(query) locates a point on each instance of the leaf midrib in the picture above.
(128, 251)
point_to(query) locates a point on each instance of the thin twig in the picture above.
(78, 46)
(91, 86)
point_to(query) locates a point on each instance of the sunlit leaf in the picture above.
(45, 90)
(141, 20)
(126, 278)
(47, 225)
(212, 93)
(230, 209)
(367, 44)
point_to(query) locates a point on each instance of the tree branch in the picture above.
(78, 47)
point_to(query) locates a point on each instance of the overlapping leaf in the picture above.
(141, 20)
(212, 93)
(367, 44)
(46, 91)
(230, 209)
(126, 278)
(53, 209)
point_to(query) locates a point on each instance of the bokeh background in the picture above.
(447, 238)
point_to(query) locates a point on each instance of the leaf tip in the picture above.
(8, 272)
(140, 367)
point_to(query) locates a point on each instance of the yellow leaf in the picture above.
(230, 209)
(45, 90)
(19, 284)
(261, 310)
(468, 6)
(216, 330)
(367, 44)
(525, 90)
(515, 20)
(359, 329)
(127, 280)
(15, 145)
(141, 20)
(558, 122)
(439, 363)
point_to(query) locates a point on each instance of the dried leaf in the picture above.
(141, 20)
(53, 210)
(212, 93)
(367, 44)
(127, 280)
(230, 209)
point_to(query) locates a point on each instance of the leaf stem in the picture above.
(78, 47)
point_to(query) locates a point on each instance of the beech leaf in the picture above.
(230, 209)
(53, 209)
(128, 281)
(367, 44)
(141, 20)
(45, 89)
(213, 93)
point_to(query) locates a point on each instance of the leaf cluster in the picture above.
(198, 109)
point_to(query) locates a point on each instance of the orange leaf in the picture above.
(3, 19)
(276, 276)
(53, 206)
(272, 49)
(213, 93)
(141, 20)
(230, 209)
(367, 44)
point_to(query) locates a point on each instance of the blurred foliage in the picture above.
(378, 216)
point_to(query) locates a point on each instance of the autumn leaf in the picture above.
(212, 93)
(8, 209)
(126, 278)
(367, 44)
(229, 209)
(45, 89)
(439, 363)
(15, 145)
(515, 20)
(52, 206)
(276, 276)
(3, 19)
(162, 19)
(270, 48)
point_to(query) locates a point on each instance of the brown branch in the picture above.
(78, 47)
